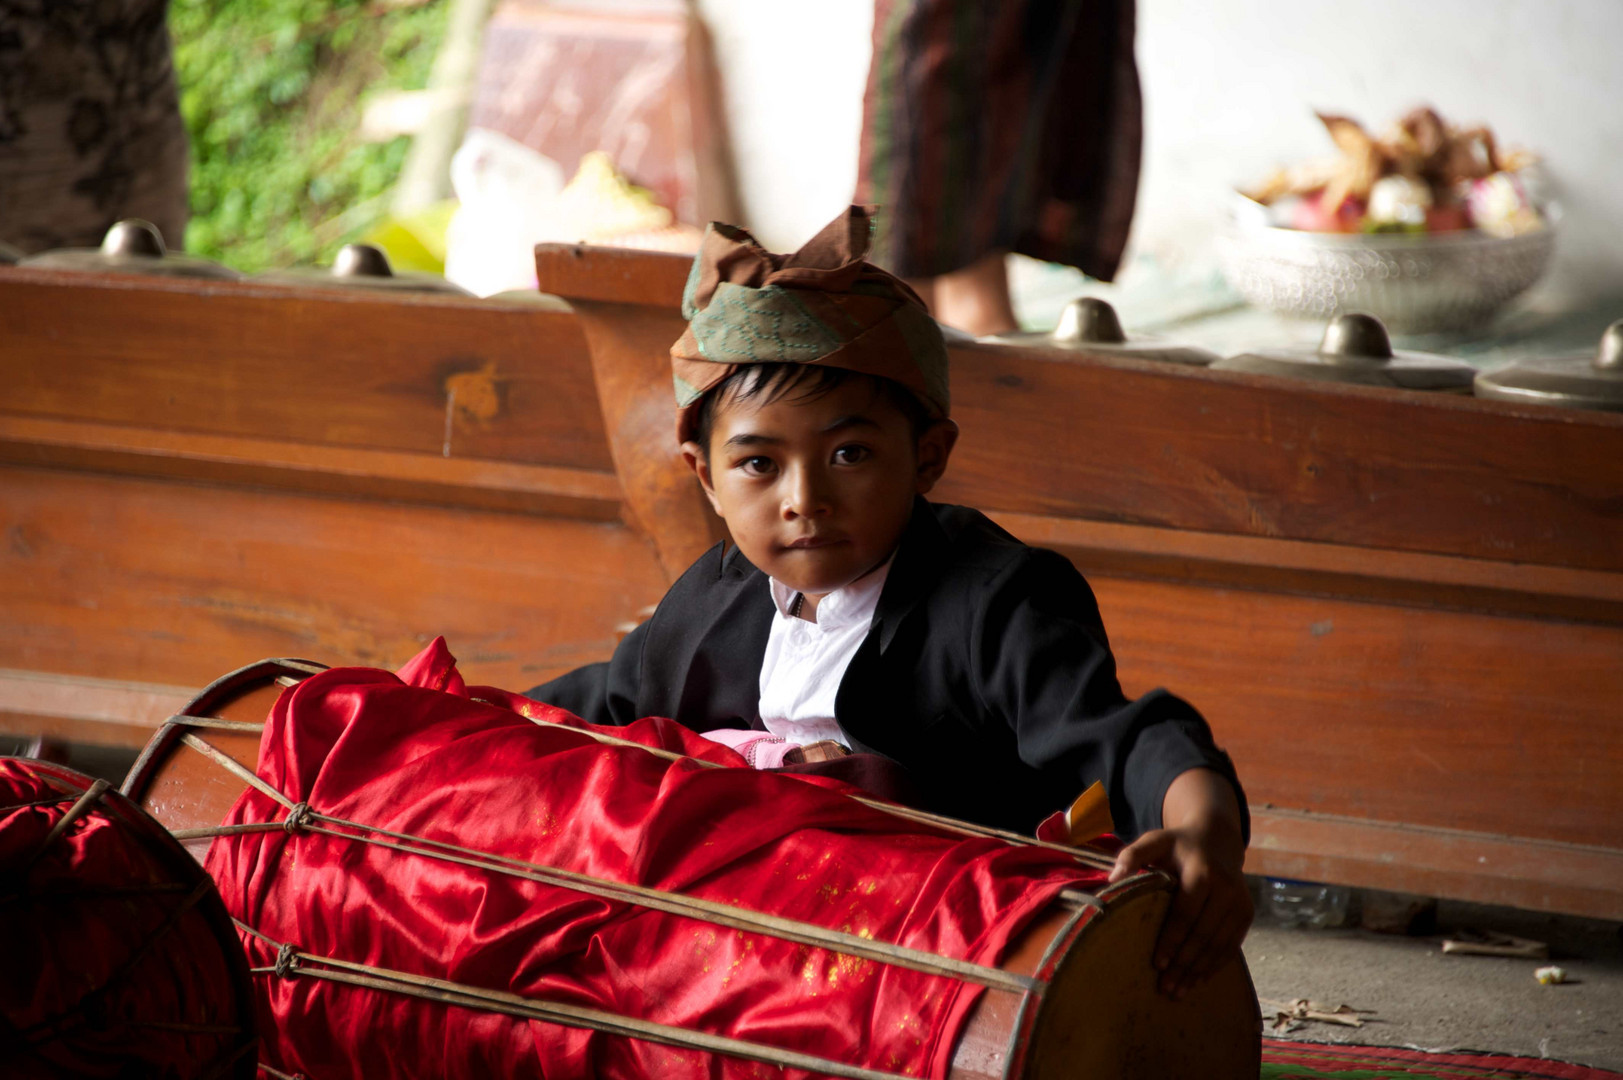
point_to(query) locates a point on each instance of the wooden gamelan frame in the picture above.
(1402, 612)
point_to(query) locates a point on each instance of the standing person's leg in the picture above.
(925, 287)
(975, 299)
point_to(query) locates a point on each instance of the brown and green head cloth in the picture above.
(823, 304)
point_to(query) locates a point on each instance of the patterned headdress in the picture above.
(821, 305)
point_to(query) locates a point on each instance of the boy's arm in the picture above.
(1046, 668)
(602, 693)
(1202, 845)
(1043, 666)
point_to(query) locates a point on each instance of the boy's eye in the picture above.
(759, 465)
(852, 455)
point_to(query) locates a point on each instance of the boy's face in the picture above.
(817, 491)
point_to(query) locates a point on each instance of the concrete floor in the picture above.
(1425, 999)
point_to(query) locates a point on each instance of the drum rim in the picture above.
(1111, 896)
(175, 859)
(1026, 1023)
(162, 744)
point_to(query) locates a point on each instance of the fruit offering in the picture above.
(1423, 176)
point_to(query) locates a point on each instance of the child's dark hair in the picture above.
(806, 382)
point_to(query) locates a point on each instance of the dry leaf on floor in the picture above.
(1290, 1015)
(1492, 943)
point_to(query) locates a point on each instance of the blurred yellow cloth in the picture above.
(1089, 817)
(415, 241)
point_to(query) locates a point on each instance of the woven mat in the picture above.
(1317, 1061)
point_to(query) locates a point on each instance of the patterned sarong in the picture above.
(1011, 126)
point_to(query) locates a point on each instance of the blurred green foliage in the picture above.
(272, 92)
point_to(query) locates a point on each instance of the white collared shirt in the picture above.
(805, 661)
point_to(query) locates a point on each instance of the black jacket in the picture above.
(987, 675)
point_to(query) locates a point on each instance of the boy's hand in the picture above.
(1202, 847)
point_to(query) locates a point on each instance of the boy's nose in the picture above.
(804, 494)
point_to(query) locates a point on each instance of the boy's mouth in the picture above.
(810, 542)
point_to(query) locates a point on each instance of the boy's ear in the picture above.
(935, 447)
(693, 455)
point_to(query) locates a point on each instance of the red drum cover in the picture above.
(120, 960)
(422, 754)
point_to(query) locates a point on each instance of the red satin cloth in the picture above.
(78, 995)
(417, 754)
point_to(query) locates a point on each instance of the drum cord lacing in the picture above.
(1094, 859)
(728, 915)
(294, 963)
(81, 806)
(291, 962)
(278, 1074)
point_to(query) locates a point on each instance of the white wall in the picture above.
(1229, 88)
(792, 73)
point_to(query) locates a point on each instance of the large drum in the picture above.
(120, 959)
(1062, 987)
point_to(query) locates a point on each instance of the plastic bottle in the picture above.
(1307, 904)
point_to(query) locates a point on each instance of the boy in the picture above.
(852, 615)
